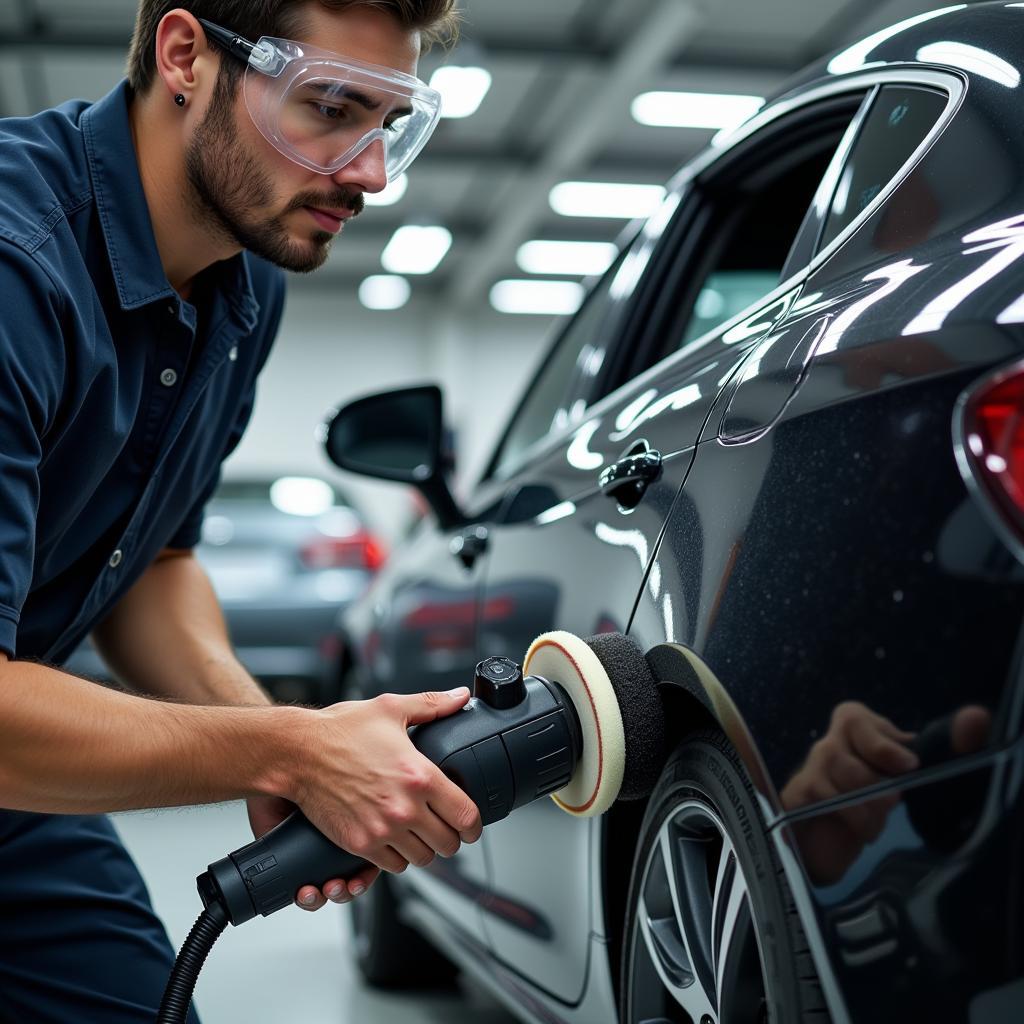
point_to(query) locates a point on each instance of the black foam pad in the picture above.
(643, 716)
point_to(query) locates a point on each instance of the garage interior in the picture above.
(436, 281)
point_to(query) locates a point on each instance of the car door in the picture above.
(585, 505)
(820, 434)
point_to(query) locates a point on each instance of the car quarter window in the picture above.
(762, 218)
(899, 119)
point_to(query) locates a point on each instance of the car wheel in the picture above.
(389, 953)
(712, 935)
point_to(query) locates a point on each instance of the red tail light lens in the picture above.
(358, 551)
(992, 449)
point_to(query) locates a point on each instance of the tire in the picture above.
(737, 932)
(390, 954)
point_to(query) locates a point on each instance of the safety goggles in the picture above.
(322, 110)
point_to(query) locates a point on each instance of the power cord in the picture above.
(182, 982)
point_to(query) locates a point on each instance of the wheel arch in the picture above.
(693, 699)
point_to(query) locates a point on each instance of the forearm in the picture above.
(167, 637)
(71, 746)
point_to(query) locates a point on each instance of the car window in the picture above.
(899, 119)
(754, 224)
(576, 354)
(724, 294)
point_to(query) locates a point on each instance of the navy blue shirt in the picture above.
(118, 400)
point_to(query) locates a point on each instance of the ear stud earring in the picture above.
(179, 99)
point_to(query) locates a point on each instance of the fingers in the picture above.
(438, 835)
(377, 795)
(874, 739)
(309, 897)
(418, 708)
(970, 728)
(337, 890)
(455, 809)
(880, 750)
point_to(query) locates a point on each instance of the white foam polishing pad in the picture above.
(567, 660)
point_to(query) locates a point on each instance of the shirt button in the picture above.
(115, 559)
(168, 378)
(172, 309)
(233, 354)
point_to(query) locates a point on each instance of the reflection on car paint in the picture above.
(893, 277)
(855, 57)
(1007, 239)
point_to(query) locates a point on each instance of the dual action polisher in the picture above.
(581, 721)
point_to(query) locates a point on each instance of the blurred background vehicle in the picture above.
(284, 555)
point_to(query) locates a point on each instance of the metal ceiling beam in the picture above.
(656, 40)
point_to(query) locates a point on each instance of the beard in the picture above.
(230, 188)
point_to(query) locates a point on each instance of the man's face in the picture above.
(253, 196)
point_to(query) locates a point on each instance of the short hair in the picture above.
(436, 20)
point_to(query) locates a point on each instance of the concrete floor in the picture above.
(292, 968)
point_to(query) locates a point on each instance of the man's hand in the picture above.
(859, 749)
(267, 812)
(366, 787)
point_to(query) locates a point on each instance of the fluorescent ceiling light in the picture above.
(605, 199)
(553, 298)
(384, 291)
(581, 258)
(694, 109)
(393, 191)
(416, 249)
(462, 89)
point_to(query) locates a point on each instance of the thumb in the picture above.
(425, 707)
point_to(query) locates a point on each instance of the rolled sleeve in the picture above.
(32, 364)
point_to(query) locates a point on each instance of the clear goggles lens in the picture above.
(322, 110)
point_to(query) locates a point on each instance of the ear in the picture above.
(182, 53)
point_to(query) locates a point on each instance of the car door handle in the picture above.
(628, 479)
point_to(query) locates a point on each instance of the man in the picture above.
(135, 321)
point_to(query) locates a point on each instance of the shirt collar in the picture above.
(124, 213)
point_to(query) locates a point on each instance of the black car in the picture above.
(808, 510)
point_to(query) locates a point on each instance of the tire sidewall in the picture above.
(704, 768)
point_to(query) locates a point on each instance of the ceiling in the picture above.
(564, 74)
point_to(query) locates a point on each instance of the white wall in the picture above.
(331, 349)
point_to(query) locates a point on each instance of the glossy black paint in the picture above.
(929, 913)
(808, 548)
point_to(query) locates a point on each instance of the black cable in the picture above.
(182, 982)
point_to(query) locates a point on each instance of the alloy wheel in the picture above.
(695, 956)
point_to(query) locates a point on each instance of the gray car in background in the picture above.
(285, 555)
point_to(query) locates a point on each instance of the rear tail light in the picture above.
(359, 550)
(990, 448)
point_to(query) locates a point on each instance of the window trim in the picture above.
(954, 83)
(689, 267)
(808, 238)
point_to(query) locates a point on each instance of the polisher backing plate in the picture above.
(566, 659)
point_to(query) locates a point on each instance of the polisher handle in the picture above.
(501, 758)
(264, 876)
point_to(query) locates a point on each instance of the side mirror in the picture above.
(396, 435)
